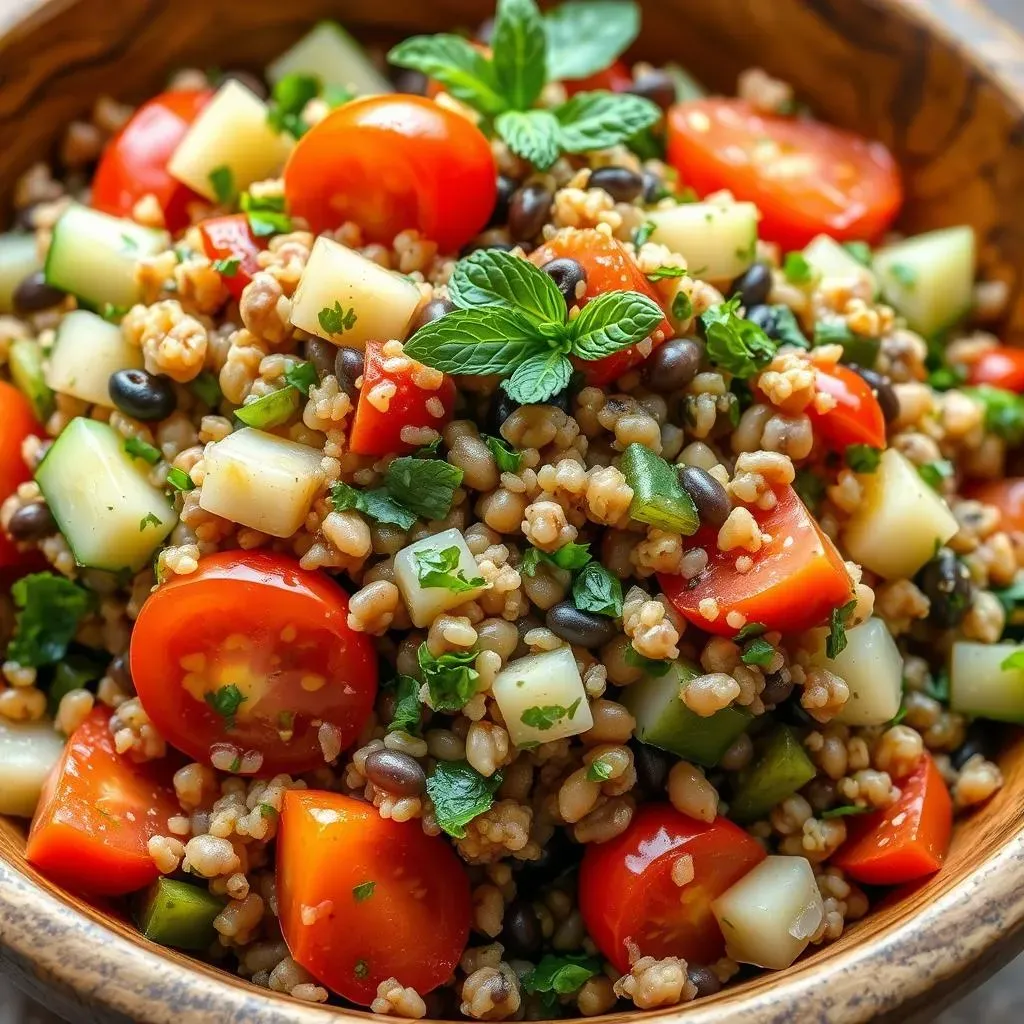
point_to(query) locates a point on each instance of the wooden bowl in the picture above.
(939, 81)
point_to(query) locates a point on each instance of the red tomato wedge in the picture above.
(615, 78)
(97, 813)
(806, 177)
(1007, 495)
(253, 652)
(627, 895)
(379, 432)
(797, 577)
(17, 422)
(134, 164)
(856, 418)
(363, 898)
(390, 163)
(231, 238)
(906, 841)
(1000, 367)
(609, 268)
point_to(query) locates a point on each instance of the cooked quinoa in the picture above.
(690, 592)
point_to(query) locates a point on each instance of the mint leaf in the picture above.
(222, 181)
(459, 794)
(406, 717)
(533, 135)
(288, 99)
(549, 715)
(507, 458)
(734, 344)
(139, 449)
(586, 37)
(490, 277)
(450, 678)
(561, 975)
(613, 321)
(463, 71)
(301, 376)
(50, 609)
(378, 505)
(423, 486)
(642, 235)
(440, 568)
(596, 590)
(225, 702)
(570, 556)
(862, 458)
(538, 378)
(835, 642)
(520, 52)
(664, 273)
(597, 120)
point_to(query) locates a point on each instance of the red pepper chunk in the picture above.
(380, 419)
(230, 238)
(999, 367)
(856, 417)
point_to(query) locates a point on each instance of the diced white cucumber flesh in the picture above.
(25, 361)
(231, 132)
(426, 603)
(329, 53)
(381, 303)
(112, 517)
(872, 667)
(929, 278)
(899, 521)
(980, 686)
(87, 350)
(548, 690)
(93, 256)
(770, 914)
(19, 257)
(28, 752)
(830, 259)
(719, 242)
(261, 481)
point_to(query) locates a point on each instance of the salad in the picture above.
(491, 530)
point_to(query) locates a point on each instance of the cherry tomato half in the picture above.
(378, 433)
(254, 652)
(807, 178)
(856, 418)
(1007, 495)
(1000, 367)
(363, 898)
(231, 238)
(609, 268)
(796, 579)
(17, 422)
(627, 895)
(393, 162)
(134, 164)
(98, 812)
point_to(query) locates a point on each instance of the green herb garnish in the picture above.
(139, 449)
(377, 504)
(424, 487)
(450, 678)
(180, 480)
(222, 181)
(933, 473)
(226, 701)
(363, 891)
(335, 320)
(50, 609)
(440, 568)
(835, 642)
(796, 268)
(507, 459)
(735, 344)
(459, 794)
(862, 458)
(758, 652)
(596, 590)
(549, 715)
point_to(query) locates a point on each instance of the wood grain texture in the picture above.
(939, 81)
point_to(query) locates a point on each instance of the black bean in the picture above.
(568, 274)
(654, 186)
(753, 285)
(521, 933)
(433, 310)
(652, 767)
(704, 978)
(142, 395)
(348, 368)
(766, 317)
(657, 86)
(120, 671)
(409, 82)
(622, 184)
(34, 295)
(442, 1003)
(252, 82)
(883, 389)
(32, 522)
(709, 496)
(673, 364)
(528, 212)
(982, 738)
(777, 688)
(947, 584)
(558, 855)
(396, 772)
(585, 629)
(506, 190)
(321, 354)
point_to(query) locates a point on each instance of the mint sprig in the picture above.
(585, 36)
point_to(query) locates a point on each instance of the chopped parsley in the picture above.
(440, 568)
(666, 273)
(642, 235)
(758, 652)
(560, 975)
(206, 388)
(288, 99)
(227, 267)
(222, 181)
(363, 891)
(301, 376)
(335, 320)
(750, 630)
(50, 610)
(570, 556)
(139, 449)
(599, 770)
(406, 716)
(650, 666)
(596, 590)
(796, 268)
(361, 969)
(1004, 412)
(377, 504)
(735, 344)
(862, 458)
(459, 794)
(835, 642)
(152, 519)
(682, 307)
(424, 487)
(933, 473)
(265, 213)
(225, 702)
(507, 459)
(180, 480)
(451, 679)
(549, 715)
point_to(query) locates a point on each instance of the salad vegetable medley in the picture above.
(493, 530)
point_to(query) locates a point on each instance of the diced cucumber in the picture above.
(718, 241)
(980, 686)
(663, 720)
(112, 517)
(28, 752)
(349, 300)
(426, 603)
(541, 698)
(87, 350)
(872, 666)
(830, 259)
(93, 256)
(329, 53)
(231, 136)
(270, 410)
(780, 770)
(899, 521)
(19, 257)
(25, 361)
(179, 915)
(929, 278)
(261, 481)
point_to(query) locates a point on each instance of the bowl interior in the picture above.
(882, 67)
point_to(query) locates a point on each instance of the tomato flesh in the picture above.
(806, 177)
(1007, 495)
(390, 163)
(97, 813)
(609, 268)
(253, 652)
(627, 895)
(999, 367)
(17, 423)
(231, 238)
(906, 841)
(411, 924)
(615, 78)
(134, 164)
(856, 418)
(796, 579)
(379, 432)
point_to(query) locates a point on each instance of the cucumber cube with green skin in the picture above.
(986, 682)
(179, 915)
(25, 361)
(780, 771)
(329, 53)
(664, 721)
